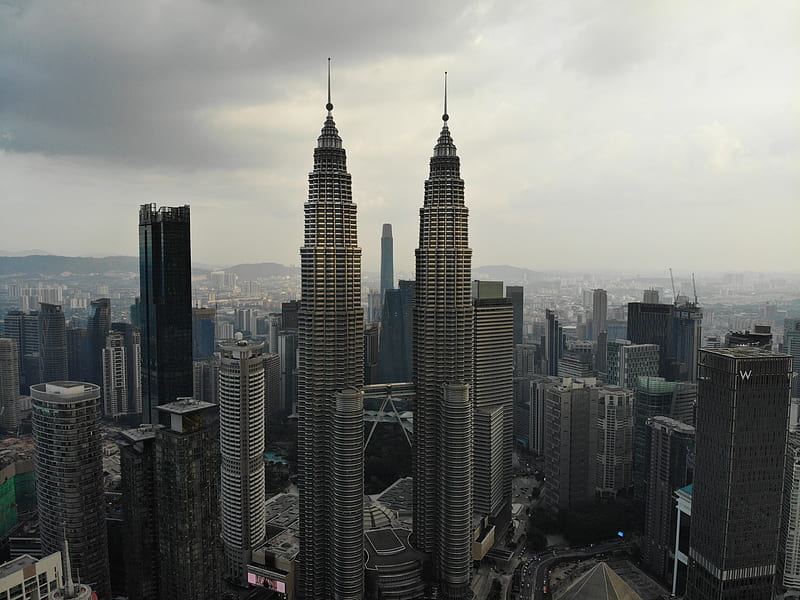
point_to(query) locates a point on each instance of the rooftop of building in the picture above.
(283, 511)
(674, 424)
(399, 496)
(183, 406)
(389, 547)
(16, 564)
(743, 352)
(142, 432)
(66, 390)
(687, 490)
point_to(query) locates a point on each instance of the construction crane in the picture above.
(674, 295)
(694, 287)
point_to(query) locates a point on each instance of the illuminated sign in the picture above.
(745, 375)
(265, 582)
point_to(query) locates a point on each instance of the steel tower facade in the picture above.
(331, 361)
(442, 372)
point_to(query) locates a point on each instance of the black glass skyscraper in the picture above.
(742, 423)
(52, 343)
(98, 326)
(165, 277)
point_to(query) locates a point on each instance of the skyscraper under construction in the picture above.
(330, 378)
(442, 366)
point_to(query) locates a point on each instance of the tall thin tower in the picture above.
(387, 259)
(331, 362)
(442, 360)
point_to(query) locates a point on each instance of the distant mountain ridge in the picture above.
(53, 265)
(509, 274)
(247, 272)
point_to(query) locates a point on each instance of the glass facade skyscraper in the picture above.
(165, 279)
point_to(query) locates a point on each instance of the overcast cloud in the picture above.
(592, 134)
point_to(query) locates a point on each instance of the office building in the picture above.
(515, 293)
(387, 259)
(759, 337)
(652, 324)
(69, 477)
(287, 350)
(739, 470)
(273, 407)
(77, 353)
(529, 402)
(599, 312)
(9, 385)
(133, 363)
(552, 344)
(656, 396)
(493, 400)
(289, 315)
(98, 325)
(650, 296)
(122, 393)
(241, 421)
(613, 472)
(245, 320)
(165, 280)
(372, 332)
(442, 371)
(206, 380)
(625, 362)
(791, 341)
(687, 320)
(138, 467)
(789, 544)
(330, 339)
(30, 578)
(392, 364)
(203, 329)
(570, 443)
(187, 500)
(671, 467)
(52, 343)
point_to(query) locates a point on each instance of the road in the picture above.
(535, 570)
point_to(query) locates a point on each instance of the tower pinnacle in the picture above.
(445, 116)
(329, 105)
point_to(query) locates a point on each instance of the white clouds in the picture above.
(578, 124)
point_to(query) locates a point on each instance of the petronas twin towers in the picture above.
(331, 378)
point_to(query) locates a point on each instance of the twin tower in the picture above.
(331, 379)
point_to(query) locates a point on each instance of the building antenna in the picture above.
(674, 295)
(329, 105)
(69, 585)
(445, 116)
(694, 287)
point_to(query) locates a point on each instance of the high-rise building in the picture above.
(206, 380)
(656, 396)
(138, 468)
(552, 344)
(289, 315)
(245, 320)
(791, 341)
(241, 420)
(625, 362)
(165, 279)
(493, 403)
(671, 467)
(203, 326)
(650, 296)
(442, 372)
(77, 353)
(287, 350)
(570, 443)
(515, 293)
(133, 363)
(331, 360)
(613, 472)
(52, 343)
(789, 543)
(272, 388)
(187, 470)
(394, 364)
(599, 312)
(387, 259)
(676, 329)
(372, 332)
(9, 385)
(69, 477)
(742, 410)
(759, 337)
(121, 388)
(98, 325)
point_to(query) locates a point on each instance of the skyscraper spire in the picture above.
(445, 116)
(329, 105)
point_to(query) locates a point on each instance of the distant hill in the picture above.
(262, 270)
(54, 265)
(508, 274)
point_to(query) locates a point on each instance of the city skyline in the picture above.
(661, 109)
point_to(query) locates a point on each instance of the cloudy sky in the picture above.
(622, 134)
